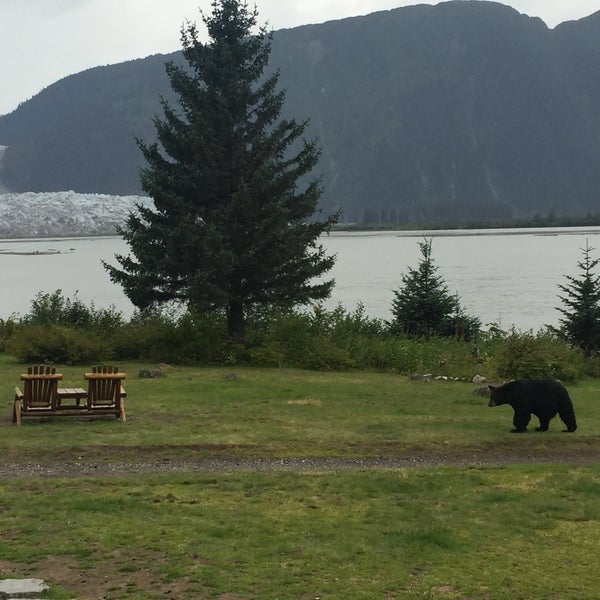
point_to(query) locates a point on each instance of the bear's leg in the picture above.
(544, 423)
(520, 421)
(567, 414)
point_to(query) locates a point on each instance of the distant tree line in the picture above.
(551, 219)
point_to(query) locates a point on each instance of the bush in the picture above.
(316, 339)
(57, 344)
(387, 353)
(545, 354)
(55, 309)
(60, 330)
(166, 336)
(7, 328)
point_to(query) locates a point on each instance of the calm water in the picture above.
(509, 277)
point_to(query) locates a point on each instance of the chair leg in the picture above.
(16, 417)
(122, 410)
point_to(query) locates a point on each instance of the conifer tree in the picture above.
(424, 307)
(234, 222)
(581, 300)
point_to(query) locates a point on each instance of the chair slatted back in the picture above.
(41, 385)
(104, 386)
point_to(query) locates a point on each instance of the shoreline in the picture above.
(340, 232)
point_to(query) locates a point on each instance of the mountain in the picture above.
(458, 111)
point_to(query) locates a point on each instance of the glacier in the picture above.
(64, 214)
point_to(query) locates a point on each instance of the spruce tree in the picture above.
(581, 300)
(424, 307)
(234, 223)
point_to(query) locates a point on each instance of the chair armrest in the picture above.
(18, 393)
(123, 392)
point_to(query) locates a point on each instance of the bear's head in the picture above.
(496, 396)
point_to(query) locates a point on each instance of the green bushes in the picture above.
(55, 309)
(545, 354)
(170, 337)
(57, 344)
(61, 330)
(58, 330)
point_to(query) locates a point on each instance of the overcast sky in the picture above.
(42, 41)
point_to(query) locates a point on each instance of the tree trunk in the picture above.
(235, 321)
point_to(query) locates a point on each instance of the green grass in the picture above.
(513, 532)
(502, 533)
(266, 412)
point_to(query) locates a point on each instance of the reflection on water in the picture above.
(502, 277)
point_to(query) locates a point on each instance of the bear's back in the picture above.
(540, 394)
(530, 392)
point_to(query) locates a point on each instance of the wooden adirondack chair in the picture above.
(39, 395)
(105, 391)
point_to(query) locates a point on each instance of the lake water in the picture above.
(508, 277)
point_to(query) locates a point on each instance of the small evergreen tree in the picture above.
(581, 300)
(424, 307)
(233, 225)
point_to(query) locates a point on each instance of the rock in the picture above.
(484, 390)
(419, 377)
(150, 373)
(479, 379)
(22, 588)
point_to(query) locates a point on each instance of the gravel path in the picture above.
(463, 458)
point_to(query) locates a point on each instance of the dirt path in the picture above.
(156, 461)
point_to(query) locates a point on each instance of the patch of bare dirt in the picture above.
(106, 580)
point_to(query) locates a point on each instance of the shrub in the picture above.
(62, 330)
(168, 336)
(7, 328)
(55, 309)
(57, 344)
(545, 354)
(316, 339)
(387, 353)
(282, 338)
(65, 331)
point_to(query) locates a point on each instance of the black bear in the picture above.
(541, 397)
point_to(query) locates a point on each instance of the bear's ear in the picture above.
(492, 387)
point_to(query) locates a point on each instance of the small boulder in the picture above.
(22, 588)
(150, 373)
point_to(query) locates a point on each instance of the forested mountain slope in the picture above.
(462, 110)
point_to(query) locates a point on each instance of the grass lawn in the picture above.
(528, 530)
